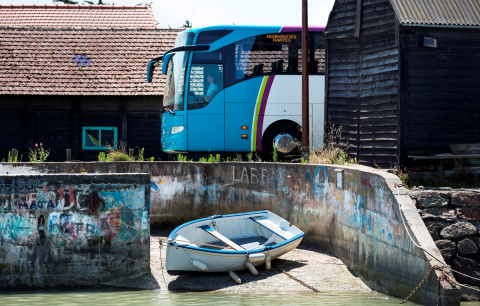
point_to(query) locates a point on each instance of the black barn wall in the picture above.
(363, 79)
(57, 121)
(442, 94)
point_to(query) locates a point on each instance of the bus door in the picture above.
(240, 104)
(205, 104)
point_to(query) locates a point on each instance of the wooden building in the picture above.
(74, 77)
(403, 77)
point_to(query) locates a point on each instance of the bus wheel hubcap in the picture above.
(284, 143)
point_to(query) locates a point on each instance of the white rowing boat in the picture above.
(223, 243)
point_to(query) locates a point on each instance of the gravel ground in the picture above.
(313, 267)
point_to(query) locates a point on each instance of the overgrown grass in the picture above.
(211, 159)
(436, 177)
(13, 157)
(182, 158)
(254, 157)
(334, 150)
(120, 154)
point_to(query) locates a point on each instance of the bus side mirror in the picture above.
(166, 58)
(150, 69)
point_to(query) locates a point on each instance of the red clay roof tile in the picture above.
(76, 61)
(78, 16)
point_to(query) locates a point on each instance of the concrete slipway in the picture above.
(317, 269)
(360, 215)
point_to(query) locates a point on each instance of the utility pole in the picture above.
(305, 90)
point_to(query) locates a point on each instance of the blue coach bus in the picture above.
(239, 89)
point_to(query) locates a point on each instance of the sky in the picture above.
(201, 13)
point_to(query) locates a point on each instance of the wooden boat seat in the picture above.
(182, 240)
(222, 238)
(271, 226)
(247, 243)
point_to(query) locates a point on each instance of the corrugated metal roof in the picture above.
(438, 12)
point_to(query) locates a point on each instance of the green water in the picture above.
(160, 297)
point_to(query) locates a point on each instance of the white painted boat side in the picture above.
(193, 242)
(180, 258)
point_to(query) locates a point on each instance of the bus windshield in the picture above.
(174, 87)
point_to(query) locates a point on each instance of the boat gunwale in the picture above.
(259, 250)
(213, 217)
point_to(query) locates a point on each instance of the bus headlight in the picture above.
(176, 129)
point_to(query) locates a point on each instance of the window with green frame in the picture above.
(99, 138)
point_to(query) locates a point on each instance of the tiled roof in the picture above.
(438, 12)
(102, 53)
(77, 16)
(81, 62)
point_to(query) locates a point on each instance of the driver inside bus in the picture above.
(212, 88)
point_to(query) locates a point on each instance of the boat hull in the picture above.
(180, 258)
(228, 242)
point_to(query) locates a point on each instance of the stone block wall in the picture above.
(453, 219)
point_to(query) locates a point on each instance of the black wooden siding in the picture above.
(343, 89)
(144, 126)
(442, 89)
(57, 121)
(341, 22)
(363, 79)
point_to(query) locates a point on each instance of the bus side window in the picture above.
(206, 77)
(292, 68)
(239, 74)
(206, 81)
(277, 67)
(257, 69)
(269, 54)
(313, 66)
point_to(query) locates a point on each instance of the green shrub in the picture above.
(38, 153)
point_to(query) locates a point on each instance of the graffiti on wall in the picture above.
(364, 204)
(31, 208)
(307, 195)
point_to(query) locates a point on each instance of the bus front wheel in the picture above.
(285, 140)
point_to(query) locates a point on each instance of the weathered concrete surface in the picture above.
(364, 218)
(72, 230)
(313, 266)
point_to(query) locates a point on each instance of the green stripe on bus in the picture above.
(257, 110)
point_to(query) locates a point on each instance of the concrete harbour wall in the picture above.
(72, 230)
(358, 214)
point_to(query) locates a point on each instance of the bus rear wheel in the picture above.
(285, 140)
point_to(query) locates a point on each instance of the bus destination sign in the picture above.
(282, 38)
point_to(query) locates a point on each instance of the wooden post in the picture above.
(76, 128)
(305, 90)
(124, 122)
(69, 155)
